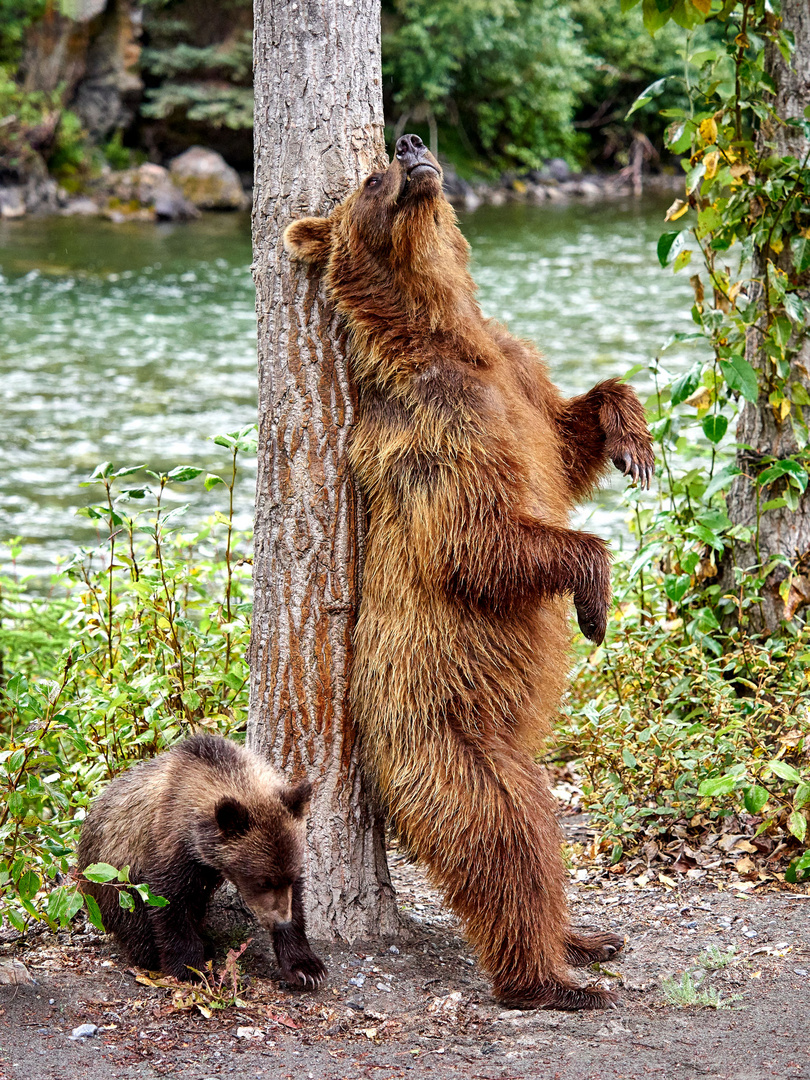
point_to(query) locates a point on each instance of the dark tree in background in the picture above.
(318, 132)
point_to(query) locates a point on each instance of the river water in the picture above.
(136, 343)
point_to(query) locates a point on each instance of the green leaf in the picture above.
(755, 798)
(191, 699)
(794, 308)
(628, 759)
(677, 587)
(741, 377)
(63, 903)
(16, 919)
(149, 897)
(787, 772)
(714, 427)
(669, 245)
(683, 259)
(802, 795)
(211, 481)
(94, 913)
(654, 17)
(797, 823)
(799, 869)
(183, 473)
(721, 480)
(800, 246)
(718, 785)
(686, 384)
(126, 900)
(647, 95)
(100, 872)
(787, 467)
(28, 885)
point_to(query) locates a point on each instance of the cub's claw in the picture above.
(307, 973)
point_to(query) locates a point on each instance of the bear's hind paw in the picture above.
(584, 949)
(562, 996)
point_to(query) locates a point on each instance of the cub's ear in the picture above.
(296, 798)
(309, 240)
(232, 817)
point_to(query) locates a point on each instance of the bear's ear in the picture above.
(232, 817)
(296, 798)
(309, 240)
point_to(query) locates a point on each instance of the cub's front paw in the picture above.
(633, 456)
(306, 972)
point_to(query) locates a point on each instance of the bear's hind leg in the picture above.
(483, 821)
(584, 949)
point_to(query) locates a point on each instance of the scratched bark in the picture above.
(318, 132)
(781, 531)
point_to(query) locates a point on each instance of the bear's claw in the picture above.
(637, 462)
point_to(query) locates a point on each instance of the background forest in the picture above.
(506, 84)
(691, 722)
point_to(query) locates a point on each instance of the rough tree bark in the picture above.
(781, 531)
(318, 131)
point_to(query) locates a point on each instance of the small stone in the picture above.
(249, 1033)
(393, 949)
(800, 971)
(383, 986)
(356, 1003)
(83, 1031)
(510, 1014)
(750, 933)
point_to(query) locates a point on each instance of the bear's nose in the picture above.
(410, 149)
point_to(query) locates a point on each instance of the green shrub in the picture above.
(143, 642)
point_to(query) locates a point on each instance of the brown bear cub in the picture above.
(470, 461)
(206, 810)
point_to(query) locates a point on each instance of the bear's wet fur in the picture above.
(206, 810)
(470, 461)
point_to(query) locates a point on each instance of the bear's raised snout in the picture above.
(412, 154)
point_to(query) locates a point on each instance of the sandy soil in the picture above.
(425, 1010)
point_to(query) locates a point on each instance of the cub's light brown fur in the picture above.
(470, 461)
(183, 822)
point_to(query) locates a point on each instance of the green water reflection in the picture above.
(136, 343)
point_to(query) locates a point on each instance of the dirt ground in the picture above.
(422, 1008)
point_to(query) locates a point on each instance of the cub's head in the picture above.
(391, 241)
(259, 846)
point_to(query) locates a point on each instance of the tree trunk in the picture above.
(780, 531)
(318, 131)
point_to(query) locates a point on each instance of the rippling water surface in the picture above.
(136, 343)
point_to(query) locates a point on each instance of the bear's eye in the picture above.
(372, 181)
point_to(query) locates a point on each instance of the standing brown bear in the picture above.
(470, 461)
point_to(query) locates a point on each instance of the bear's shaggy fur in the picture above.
(204, 811)
(470, 461)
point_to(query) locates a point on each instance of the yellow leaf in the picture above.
(703, 6)
(700, 399)
(678, 209)
(777, 244)
(668, 882)
(711, 161)
(708, 131)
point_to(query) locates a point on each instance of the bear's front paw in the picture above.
(592, 617)
(633, 456)
(306, 972)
